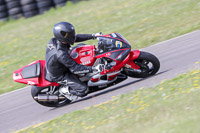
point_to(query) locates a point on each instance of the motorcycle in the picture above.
(117, 62)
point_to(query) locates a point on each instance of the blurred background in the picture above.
(15, 9)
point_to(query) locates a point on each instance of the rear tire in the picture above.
(148, 63)
(44, 90)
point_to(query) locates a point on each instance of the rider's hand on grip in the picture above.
(97, 69)
(96, 34)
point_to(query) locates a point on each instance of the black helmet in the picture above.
(64, 32)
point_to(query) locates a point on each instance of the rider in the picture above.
(59, 65)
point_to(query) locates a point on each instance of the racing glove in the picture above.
(97, 69)
(96, 34)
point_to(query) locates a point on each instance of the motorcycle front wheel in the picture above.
(46, 92)
(148, 63)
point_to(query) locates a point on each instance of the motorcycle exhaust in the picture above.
(46, 97)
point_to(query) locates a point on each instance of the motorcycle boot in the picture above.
(65, 90)
(73, 89)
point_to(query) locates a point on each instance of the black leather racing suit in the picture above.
(60, 67)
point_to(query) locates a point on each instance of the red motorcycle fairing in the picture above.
(114, 55)
(33, 74)
(121, 54)
(84, 55)
(134, 54)
(116, 68)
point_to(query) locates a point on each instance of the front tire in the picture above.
(45, 90)
(148, 63)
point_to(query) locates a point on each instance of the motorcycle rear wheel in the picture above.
(148, 63)
(45, 90)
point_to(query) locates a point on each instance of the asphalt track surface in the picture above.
(178, 55)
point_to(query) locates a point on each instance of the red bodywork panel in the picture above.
(84, 55)
(134, 54)
(119, 64)
(37, 80)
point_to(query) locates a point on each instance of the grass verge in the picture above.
(171, 107)
(142, 22)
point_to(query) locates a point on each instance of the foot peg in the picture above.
(65, 91)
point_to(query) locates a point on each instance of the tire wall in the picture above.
(15, 9)
(3, 11)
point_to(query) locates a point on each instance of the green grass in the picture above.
(171, 107)
(142, 22)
